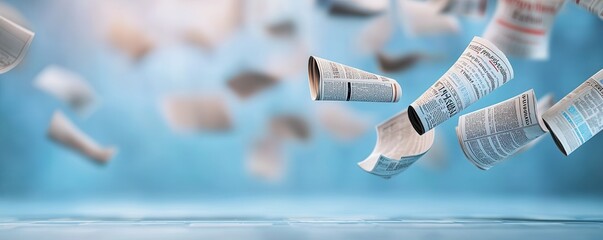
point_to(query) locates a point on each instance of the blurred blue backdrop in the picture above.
(153, 162)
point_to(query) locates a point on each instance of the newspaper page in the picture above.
(578, 116)
(544, 103)
(14, 42)
(66, 133)
(522, 27)
(398, 146)
(594, 6)
(337, 82)
(68, 87)
(490, 135)
(425, 19)
(469, 8)
(479, 70)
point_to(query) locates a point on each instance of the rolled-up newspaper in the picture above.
(578, 116)
(14, 42)
(492, 134)
(594, 6)
(479, 70)
(398, 146)
(66, 133)
(522, 27)
(338, 82)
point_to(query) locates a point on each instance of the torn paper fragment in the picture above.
(398, 146)
(492, 134)
(331, 81)
(288, 62)
(196, 113)
(578, 116)
(399, 63)
(289, 127)
(130, 38)
(68, 87)
(62, 131)
(373, 37)
(480, 69)
(207, 23)
(467, 8)
(249, 83)
(282, 29)
(593, 6)
(521, 28)
(342, 122)
(14, 43)
(424, 19)
(266, 161)
(357, 8)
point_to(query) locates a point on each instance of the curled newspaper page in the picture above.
(68, 87)
(479, 70)
(425, 19)
(66, 133)
(338, 82)
(594, 6)
(398, 146)
(469, 8)
(578, 116)
(490, 135)
(522, 27)
(14, 42)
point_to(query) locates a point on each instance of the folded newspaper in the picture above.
(14, 42)
(337, 82)
(578, 116)
(398, 146)
(521, 27)
(479, 70)
(492, 134)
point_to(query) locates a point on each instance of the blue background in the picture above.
(155, 163)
